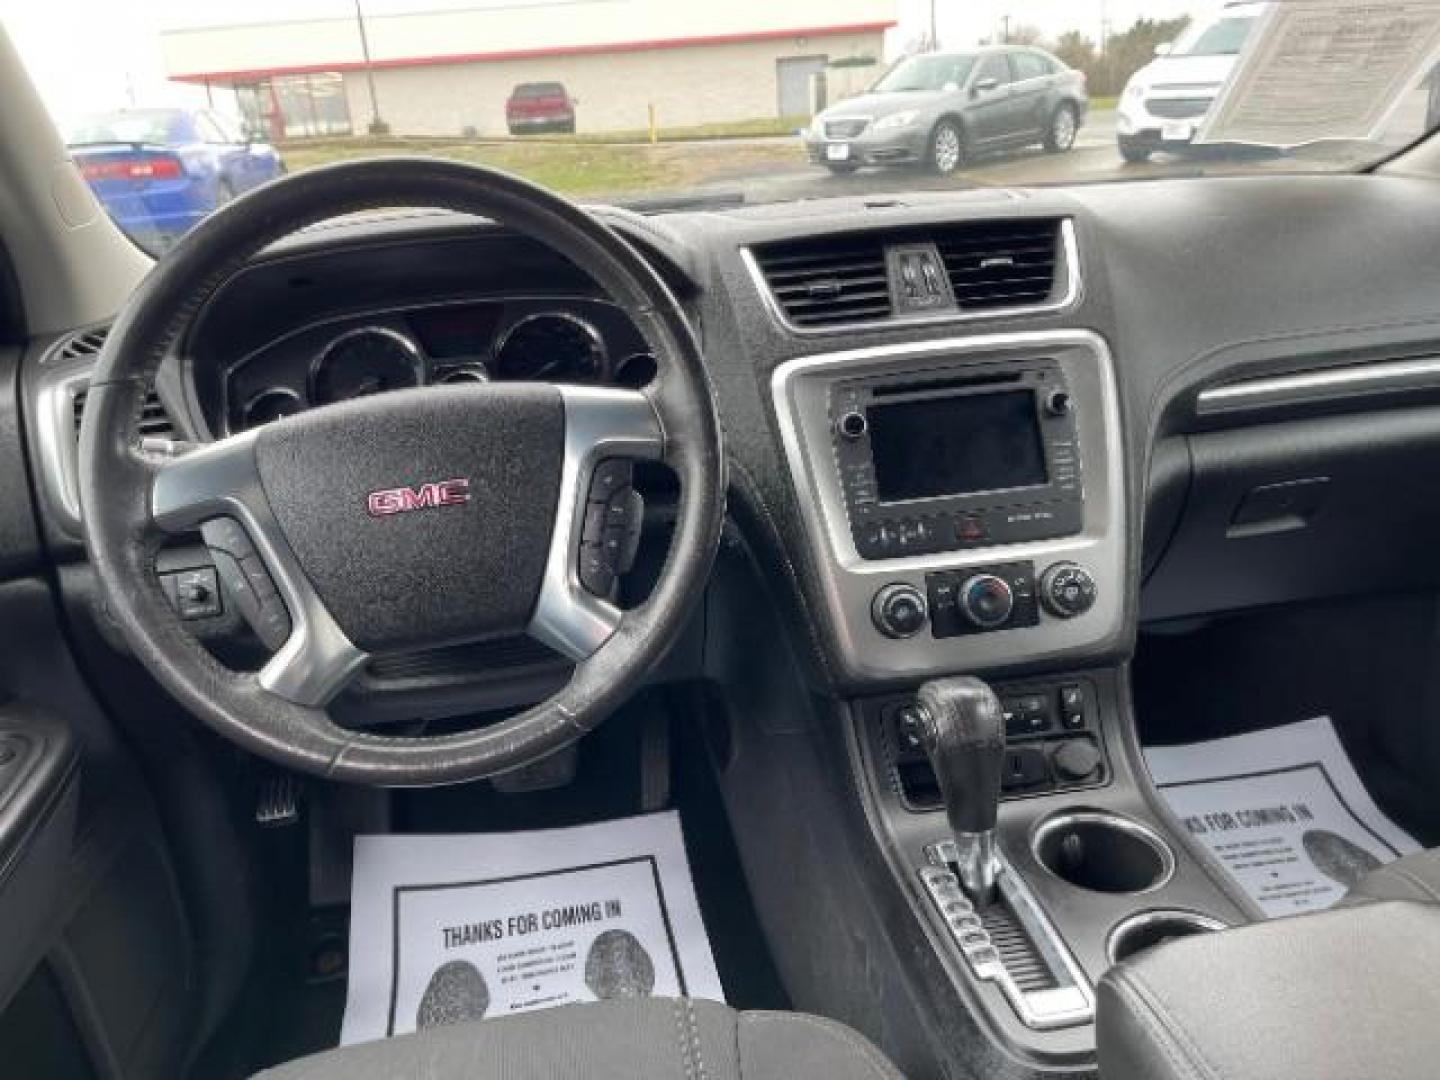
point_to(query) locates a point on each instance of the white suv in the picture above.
(1165, 101)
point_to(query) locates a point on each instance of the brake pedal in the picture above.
(277, 803)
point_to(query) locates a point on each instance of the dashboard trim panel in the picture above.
(1320, 387)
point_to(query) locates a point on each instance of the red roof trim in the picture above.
(527, 54)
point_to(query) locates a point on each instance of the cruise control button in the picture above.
(595, 571)
(610, 476)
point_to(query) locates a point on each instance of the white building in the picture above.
(449, 72)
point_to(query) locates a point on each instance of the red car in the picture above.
(540, 106)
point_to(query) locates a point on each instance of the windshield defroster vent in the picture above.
(828, 281)
(1001, 264)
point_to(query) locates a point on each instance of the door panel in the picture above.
(990, 113)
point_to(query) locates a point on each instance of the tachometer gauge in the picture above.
(552, 347)
(270, 405)
(362, 362)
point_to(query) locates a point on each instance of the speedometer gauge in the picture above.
(362, 362)
(551, 346)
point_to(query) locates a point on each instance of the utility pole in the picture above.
(934, 33)
(377, 125)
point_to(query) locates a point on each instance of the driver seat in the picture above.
(636, 1039)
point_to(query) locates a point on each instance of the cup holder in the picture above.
(1150, 928)
(1103, 852)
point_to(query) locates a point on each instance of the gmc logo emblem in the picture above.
(402, 500)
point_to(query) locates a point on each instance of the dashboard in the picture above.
(1244, 433)
(548, 339)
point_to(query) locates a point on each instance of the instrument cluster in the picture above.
(580, 341)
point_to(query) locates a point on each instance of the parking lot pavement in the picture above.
(1094, 158)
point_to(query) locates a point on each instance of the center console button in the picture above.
(899, 611)
(1078, 759)
(987, 600)
(1067, 590)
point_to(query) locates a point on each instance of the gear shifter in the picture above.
(963, 735)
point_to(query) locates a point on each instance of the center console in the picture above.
(963, 499)
(964, 505)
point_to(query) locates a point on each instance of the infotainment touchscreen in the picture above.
(934, 447)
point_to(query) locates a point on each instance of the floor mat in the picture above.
(1283, 810)
(459, 927)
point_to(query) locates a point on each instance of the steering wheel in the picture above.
(406, 520)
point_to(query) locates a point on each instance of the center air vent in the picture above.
(995, 267)
(1001, 264)
(828, 281)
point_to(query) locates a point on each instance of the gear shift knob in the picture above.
(963, 735)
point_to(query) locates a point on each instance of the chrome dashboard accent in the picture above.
(1069, 1003)
(800, 392)
(58, 441)
(1320, 387)
(1144, 833)
(1068, 296)
(1146, 919)
(222, 480)
(599, 423)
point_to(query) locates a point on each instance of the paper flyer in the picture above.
(463, 927)
(1284, 812)
(1281, 92)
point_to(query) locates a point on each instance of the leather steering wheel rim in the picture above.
(118, 478)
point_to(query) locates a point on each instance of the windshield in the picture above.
(159, 126)
(926, 73)
(1223, 37)
(172, 108)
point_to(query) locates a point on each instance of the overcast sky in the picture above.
(87, 55)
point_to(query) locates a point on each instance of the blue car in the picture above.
(160, 171)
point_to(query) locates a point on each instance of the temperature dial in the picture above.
(987, 601)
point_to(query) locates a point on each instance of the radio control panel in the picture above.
(969, 459)
(963, 498)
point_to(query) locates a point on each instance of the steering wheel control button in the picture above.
(1076, 760)
(899, 611)
(610, 476)
(246, 580)
(1067, 590)
(193, 593)
(610, 534)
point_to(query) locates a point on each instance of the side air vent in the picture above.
(85, 343)
(155, 422)
(828, 281)
(1001, 264)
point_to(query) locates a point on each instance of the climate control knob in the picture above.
(899, 611)
(1067, 590)
(987, 601)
